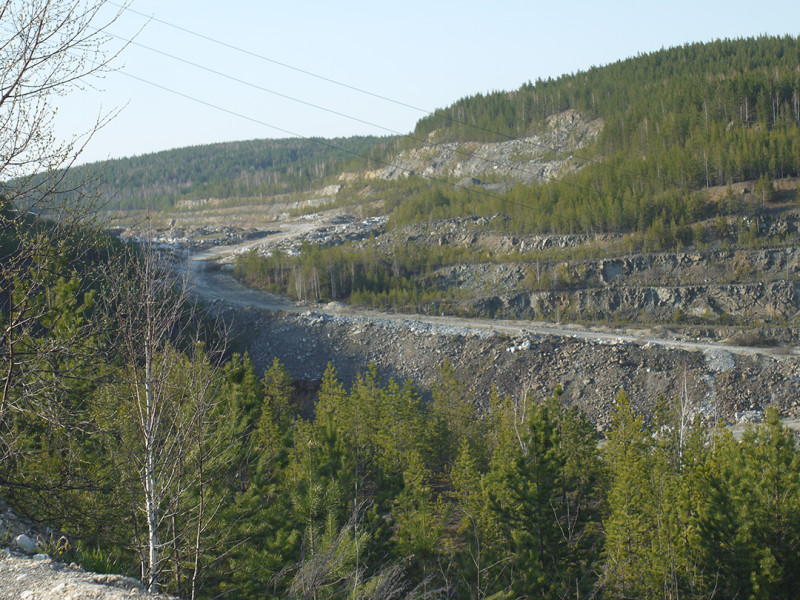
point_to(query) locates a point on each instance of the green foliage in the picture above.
(628, 536)
(758, 557)
(513, 501)
(547, 499)
(421, 518)
(677, 89)
(454, 417)
(246, 169)
(674, 121)
(277, 411)
(93, 558)
(383, 490)
(765, 190)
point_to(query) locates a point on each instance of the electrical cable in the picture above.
(320, 141)
(267, 59)
(346, 116)
(452, 119)
(365, 91)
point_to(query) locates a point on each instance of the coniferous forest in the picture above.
(680, 126)
(128, 424)
(675, 122)
(378, 493)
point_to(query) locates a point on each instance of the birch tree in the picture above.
(166, 404)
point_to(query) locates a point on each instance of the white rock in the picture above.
(24, 543)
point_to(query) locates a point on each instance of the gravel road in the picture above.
(730, 384)
(221, 286)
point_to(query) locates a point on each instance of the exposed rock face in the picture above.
(757, 287)
(535, 158)
(759, 302)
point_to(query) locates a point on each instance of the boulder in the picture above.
(25, 543)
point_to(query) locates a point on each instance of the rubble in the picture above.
(591, 372)
(27, 572)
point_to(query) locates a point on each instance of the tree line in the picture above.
(245, 170)
(397, 270)
(124, 424)
(206, 479)
(674, 121)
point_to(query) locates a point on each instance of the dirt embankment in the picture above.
(725, 385)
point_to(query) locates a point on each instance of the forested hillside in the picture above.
(247, 169)
(163, 459)
(675, 121)
(749, 80)
(693, 143)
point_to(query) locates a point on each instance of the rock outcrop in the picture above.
(535, 158)
(722, 384)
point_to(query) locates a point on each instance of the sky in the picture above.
(424, 54)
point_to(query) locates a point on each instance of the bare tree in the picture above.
(165, 402)
(47, 48)
(145, 309)
(332, 572)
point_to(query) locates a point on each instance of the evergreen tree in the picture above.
(420, 518)
(767, 540)
(547, 500)
(454, 416)
(277, 411)
(628, 526)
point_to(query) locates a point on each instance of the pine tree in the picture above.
(482, 556)
(769, 512)
(420, 519)
(277, 411)
(546, 499)
(454, 415)
(628, 526)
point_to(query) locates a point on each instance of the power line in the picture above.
(255, 85)
(270, 60)
(320, 141)
(344, 85)
(360, 90)
(449, 117)
(338, 113)
(427, 112)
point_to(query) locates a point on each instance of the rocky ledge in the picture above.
(27, 572)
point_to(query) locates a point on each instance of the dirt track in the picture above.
(221, 286)
(727, 383)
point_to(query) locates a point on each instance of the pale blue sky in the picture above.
(424, 53)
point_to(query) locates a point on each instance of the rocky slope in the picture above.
(27, 572)
(715, 289)
(728, 385)
(536, 158)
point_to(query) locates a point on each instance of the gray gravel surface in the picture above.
(27, 572)
(38, 577)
